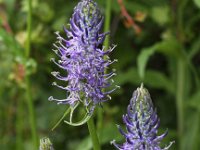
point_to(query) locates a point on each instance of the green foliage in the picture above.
(197, 3)
(169, 47)
(163, 16)
(169, 39)
(194, 101)
(106, 134)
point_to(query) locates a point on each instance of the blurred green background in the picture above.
(164, 54)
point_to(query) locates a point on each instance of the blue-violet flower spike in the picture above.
(141, 123)
(83, 58)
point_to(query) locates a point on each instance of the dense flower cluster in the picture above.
(83, 58)
(45, 144)
(141, 123)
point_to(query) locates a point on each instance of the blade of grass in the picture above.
(19, 125)
(180, 99)
(27, 80)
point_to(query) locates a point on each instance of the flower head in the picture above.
(83, 58)
(141, 123)
(45, 144)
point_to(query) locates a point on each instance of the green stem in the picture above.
(100, 118)
(106, 45)
(93, 134)
(28, 87)
(59, 121)
(31, 113)
(19, 125)
(182, 4)
(107, 22)
(29, 26)
(180, 99)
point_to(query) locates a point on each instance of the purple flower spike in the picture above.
(141, 123)
(82, 57)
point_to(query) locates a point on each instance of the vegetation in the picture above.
(158, 44)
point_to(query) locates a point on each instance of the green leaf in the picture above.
(8, 42)
(143, 59)
(46, 11)
(194, 101)
(191, 138)
(151, 79)
(129, 76)
(35, 4)
(197, 3)
(194, 48)
(160, 14)
(158, 80)
(86, 143)
(169, 47)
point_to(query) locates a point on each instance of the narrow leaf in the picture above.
(197, 3)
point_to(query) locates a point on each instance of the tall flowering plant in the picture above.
(142, 123)
(84, 59)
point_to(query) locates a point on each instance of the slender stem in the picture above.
(29, 26)
(19, 125)
(180, 99)
(106, 45)
(28, 88)
(182, 4)
(100, 118)
(59, 121)
(93, 134)
(31, 113)
(107, 22)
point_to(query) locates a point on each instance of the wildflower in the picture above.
(45, 144)
(82, 57)
(141, 123)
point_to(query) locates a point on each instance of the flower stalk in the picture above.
(93, 134)
(27, 80)
(180, 100)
